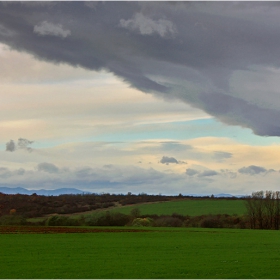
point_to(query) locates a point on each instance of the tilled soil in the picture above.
(57, 229)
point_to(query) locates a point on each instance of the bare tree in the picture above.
(263, 209)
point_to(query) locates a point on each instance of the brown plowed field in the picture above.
(43, 229)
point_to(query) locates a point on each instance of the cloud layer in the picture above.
(122, 179)
(207, 54)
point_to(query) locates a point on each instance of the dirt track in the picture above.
(43, 229)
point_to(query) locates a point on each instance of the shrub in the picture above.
(107, 219)
(168, 221)
(13, 211)
(210, 222)
(61, 221)
(119, 219)
(142, 222)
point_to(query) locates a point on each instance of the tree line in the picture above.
(263, 210)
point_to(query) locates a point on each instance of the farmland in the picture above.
(150, 253)
(184, 212)
(194, 207)
(143, 252)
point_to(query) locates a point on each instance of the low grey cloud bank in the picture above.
(203, 53)
(121, 179)
(252, 170)
(109, 178)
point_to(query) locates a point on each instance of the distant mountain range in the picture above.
(218, 195)
(228, 195)
(19, 190)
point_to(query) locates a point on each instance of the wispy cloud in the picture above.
(48, 28)
(199, 173)
(148, 26)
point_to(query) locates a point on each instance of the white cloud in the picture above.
(48, 28)
(147, 26)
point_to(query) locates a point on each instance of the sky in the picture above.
(153, 97)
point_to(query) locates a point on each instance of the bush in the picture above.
(168, 221)
(62, 221)
(119, 219)
(210, 222)
(107, 219)
(179, 216)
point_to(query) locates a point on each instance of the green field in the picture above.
(189, 207)
(161, 253)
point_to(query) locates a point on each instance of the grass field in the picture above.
(189, 207)
(164, 253)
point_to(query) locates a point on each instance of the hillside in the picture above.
(39, 205)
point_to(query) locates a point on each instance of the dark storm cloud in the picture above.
(183, 50)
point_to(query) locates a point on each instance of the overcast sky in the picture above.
(155, 97)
